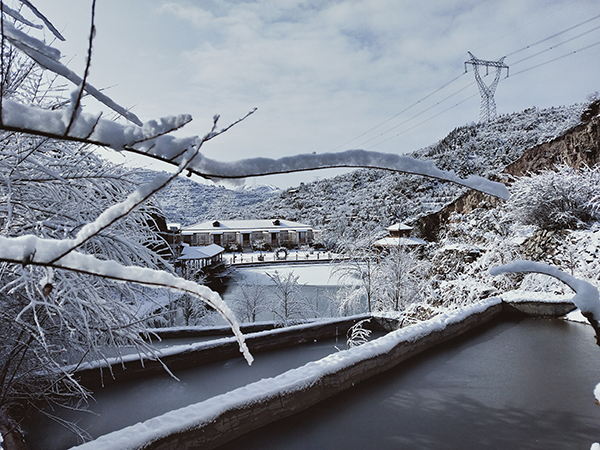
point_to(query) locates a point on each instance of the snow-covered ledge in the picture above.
(220, 419)
(586, 297)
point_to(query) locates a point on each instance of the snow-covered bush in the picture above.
(358, 335)
(51, 318)
(470, 245)
(75, 231)
(556, 199)
(401, 278)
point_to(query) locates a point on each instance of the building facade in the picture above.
(249, 234)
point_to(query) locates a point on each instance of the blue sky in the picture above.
(323, 73)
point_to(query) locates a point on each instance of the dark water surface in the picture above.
(522, 384)
(128, 402)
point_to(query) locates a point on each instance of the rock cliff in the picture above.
(576, 147)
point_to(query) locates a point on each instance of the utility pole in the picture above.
(487, 109)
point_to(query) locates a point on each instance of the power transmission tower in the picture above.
(487, 109)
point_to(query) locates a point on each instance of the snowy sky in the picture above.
(329, 75)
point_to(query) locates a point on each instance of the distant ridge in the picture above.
(373, 199)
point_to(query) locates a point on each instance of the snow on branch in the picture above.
(244, 168)
(48, 58)
(586, 296)
(32, 250)
(152, 140)
(38, 14)
(18, 17)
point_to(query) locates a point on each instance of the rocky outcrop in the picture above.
(429, 226)
(577, 147)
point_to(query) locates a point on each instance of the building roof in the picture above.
(399, 227)
(203, 252)
(245, 225)
(398, 241)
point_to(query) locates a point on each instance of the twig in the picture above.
(86, 72)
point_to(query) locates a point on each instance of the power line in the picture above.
(560, 57)
(556, 45)
(553, 36)
(416, 115)
(424, 121)
(401, 112)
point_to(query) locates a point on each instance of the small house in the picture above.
(399, 235)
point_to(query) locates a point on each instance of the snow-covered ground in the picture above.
(309, 274)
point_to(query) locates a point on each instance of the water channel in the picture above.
(524, 384)
(514, 384)
(126, 403)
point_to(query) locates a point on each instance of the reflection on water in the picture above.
(526, 384)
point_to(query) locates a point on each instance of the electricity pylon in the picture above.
(487, 109)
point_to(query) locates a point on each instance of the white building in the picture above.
(248, 233)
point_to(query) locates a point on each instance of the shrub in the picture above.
(556, 199)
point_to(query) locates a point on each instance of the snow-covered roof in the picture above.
(212, 226)
(398, 241)
(202, 252)
(399, 227)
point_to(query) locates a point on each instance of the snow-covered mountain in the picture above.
(374, 199)
(187, 202)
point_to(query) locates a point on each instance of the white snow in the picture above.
(586, 296)
(518, 295)
(309, 274)
(204, 412)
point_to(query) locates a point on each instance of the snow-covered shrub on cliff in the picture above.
(556, 199)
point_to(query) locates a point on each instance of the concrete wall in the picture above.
(221, 350)
(235, 422)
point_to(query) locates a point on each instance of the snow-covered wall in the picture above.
(222, 418)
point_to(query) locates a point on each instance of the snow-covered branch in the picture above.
(586, 296)
(31, 250)
(151, 140)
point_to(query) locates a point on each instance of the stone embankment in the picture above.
(218, 420)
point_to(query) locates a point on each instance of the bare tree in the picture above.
(356, 267)
(400, 278)
(251, 300)
(289, 305)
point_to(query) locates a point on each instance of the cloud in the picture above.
(324, 72)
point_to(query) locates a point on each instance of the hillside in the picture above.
(373, 199)
(187, 202)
